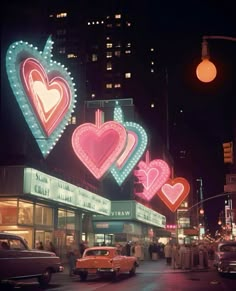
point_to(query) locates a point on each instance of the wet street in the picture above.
(151, 276)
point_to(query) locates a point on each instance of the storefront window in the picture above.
(70, 220)
(8, 211)
(25, 214)
(61, 218)
(43, 215)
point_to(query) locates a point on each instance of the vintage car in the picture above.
(225, 257)
(104, 261)
(18, 261)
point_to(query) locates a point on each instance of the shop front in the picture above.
(128, 221)
(43, 208)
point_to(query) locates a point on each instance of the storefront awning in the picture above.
(162, 233)
(108, 226)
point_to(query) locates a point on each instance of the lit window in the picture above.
(109, 66)
(128, 23)
(109, 25)
(117, 53)
(94, 57)
(152, 49)
(152, 70)
(109, 85)
(72, 120)
(97, 22)
(118, 24)
(152, 63)
(89, 23)
(62, 50)
(117, 85)
(109, 54)
(93, 95)
(71, 56)
(152, 105)
(118, 16)
(127, 75)
(118, 44)
(109, 45)
(128, 44)
(128, 52)
(61, 15)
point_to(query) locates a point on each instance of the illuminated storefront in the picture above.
(40, 207)
(128, 221)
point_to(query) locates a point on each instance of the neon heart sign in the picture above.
(173, 192)
(43, 89)
(135, 146)
(152, 175)
(99, 145)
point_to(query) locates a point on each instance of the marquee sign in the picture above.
(152, 175)
(99, 145)
(135, 146)
(43, 89)
(173, 192)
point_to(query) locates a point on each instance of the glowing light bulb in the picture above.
(206, 71)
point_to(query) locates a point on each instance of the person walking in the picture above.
(168, 253)
(71, 256)
(137, 251)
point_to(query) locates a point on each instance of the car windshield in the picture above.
(97, 253)
(228, 248)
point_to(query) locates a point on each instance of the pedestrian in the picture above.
(137, 251)
(82, 248)
(40, 246)
(168, 253)
(51, 247)
(72, 255)
(175, 256)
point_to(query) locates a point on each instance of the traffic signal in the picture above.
(228, 152)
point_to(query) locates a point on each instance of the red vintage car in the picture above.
(103, 261)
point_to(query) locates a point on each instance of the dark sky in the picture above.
(177, 27)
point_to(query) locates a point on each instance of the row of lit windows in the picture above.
(110, 85)
(61, 15)
(110, 44)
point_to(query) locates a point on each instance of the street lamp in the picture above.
(206, 70)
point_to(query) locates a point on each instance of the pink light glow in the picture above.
(152, 176)
(50, 99)
(99, 145)
(131, 143)
(173, 192)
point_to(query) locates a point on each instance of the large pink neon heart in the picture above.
(49, 96)
(173, 192)
(99, 147)
(152, 176)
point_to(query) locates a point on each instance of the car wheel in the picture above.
(132, 272)
(45, 278)
(83, 276)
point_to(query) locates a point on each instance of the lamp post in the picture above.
(206, 70)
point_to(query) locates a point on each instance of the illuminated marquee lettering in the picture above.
(152, 175)
(99, 145)
(173, 192)
(43, 89)
(120, 213)
(135, 147)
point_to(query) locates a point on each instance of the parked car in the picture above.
(18, 261)
(103, 261)
(225, 257)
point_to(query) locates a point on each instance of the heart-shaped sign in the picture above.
(99, 145)
(173, 192)
(135, 146)
(152, 176)
(43, 89)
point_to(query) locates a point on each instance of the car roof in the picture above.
(8, 235)
(102, 248)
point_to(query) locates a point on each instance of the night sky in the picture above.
(177, 27)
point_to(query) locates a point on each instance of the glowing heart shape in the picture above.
(43, 89)
(152, 176)
(135, 146)
(99, 147)
(50, 99)
(173, 192)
